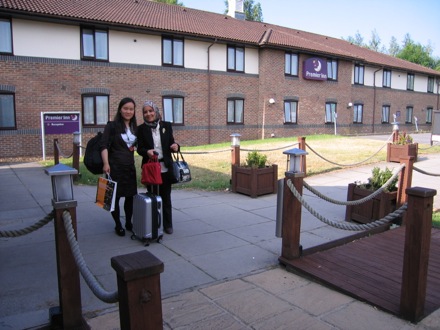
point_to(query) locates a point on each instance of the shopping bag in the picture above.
(106, 193)
(151, 172)
(181, 171)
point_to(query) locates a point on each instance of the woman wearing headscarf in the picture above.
(156, 136)
(117, 151)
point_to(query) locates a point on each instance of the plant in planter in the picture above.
(403, 146)
(255, 177)
(379, 206)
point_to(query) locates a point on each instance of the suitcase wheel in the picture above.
(133, 237)
(159, 239)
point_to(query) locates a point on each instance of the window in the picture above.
(359, 74)
(94, 44)
(330, 112)
(429, 115)
(291, 64)
(7, 111)
(235, 111)
(386, 78)
(290, 112)
(430, 84)
(95, 110)
(409, 115)
(358, 110)
(410, 82)
(235, 59)
(5, 36)
(173, 109)
(332, 69)
(172, 51)
(385, 114)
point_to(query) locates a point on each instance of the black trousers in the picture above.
(165, 193)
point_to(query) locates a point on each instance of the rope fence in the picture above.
(24, 231)
(59, 150)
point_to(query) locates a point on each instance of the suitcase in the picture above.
(147, 217)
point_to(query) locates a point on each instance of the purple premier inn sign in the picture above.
(61, 122)
(315, 69)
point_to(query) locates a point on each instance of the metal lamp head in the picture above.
(235, 139)
(77, 138)
(62, 182)
(294, 160)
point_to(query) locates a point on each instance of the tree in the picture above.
(357, 40)
(253, 12)
(170, 2)
(394, 47)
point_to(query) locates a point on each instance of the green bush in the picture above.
(256, 159)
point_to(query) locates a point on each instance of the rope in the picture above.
(433, 145)
(105, 296)
(424, 172)
(347, 226)
(60, 153)
(30, 229)
(358, 201)
(275, 149)
(204, 152)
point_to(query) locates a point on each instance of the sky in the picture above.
(344, 18)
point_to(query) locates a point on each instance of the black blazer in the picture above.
(145, 141)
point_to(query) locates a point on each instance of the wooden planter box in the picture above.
(395, 151)
(254, 181)
(372, 210)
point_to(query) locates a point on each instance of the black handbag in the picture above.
(181, 172)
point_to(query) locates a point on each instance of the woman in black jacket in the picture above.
(156, 136)
(117, 151)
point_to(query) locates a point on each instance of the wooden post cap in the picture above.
(136, 265)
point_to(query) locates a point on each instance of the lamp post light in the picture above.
(235, 144)
(76, 151)
(395, 124)
(68, 315)
(295, 161)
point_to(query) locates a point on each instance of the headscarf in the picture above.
(151, 104)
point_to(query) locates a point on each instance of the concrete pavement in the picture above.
(221, 263)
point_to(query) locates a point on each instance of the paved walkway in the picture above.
(221, 263)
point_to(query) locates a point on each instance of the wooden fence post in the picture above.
(405, 179)
(56, 152)
(302, 146)
(140, 302)
(416, 252)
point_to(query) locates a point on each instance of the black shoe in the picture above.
(120, 231)
(129, 226)
(169, 230)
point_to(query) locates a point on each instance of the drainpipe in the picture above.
(374, 97)
(438, 93)
(209, 92)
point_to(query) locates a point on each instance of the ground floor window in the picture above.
(7, 111)
(408, 115)
(173, 109)
(290, 112)
(330, 112)
(385, 114)
(235, 111)
(95, 110)
(358, 110)
(429, 115)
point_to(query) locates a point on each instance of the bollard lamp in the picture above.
(62, 182)
(77, 138)
(294, 160)
(235, 139)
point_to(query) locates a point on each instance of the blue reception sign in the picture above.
(61, 122)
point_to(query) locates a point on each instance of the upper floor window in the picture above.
(95, 109)
(332, 69)
(359, 74)
(5, 36)
(386, 78)
(173, 109)
(410, 82)
(290, 112)
(172, 51)
(7, 111)
(235, 59)
(358, 111)
(409, 115)
(235, 111)
(429, 115)
(430, 84)
(94, 44)
(291, 64)
(330, 112)
(385, 114)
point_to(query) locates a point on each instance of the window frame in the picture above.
(10, 37)
(386, 108)
(290, 102)
(329, 107)
(232, 48)
(288, 70)
(430, 87)
(174, 100)
(177, 60)
(332, 65)
(95, 109)
(409, 109)
(410, 81)
(359, 74)
(14, 112)
(386, 78)
(358, 107)
(428, 117)
(96, 46)
(234, 100)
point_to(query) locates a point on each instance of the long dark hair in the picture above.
(120, 121)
